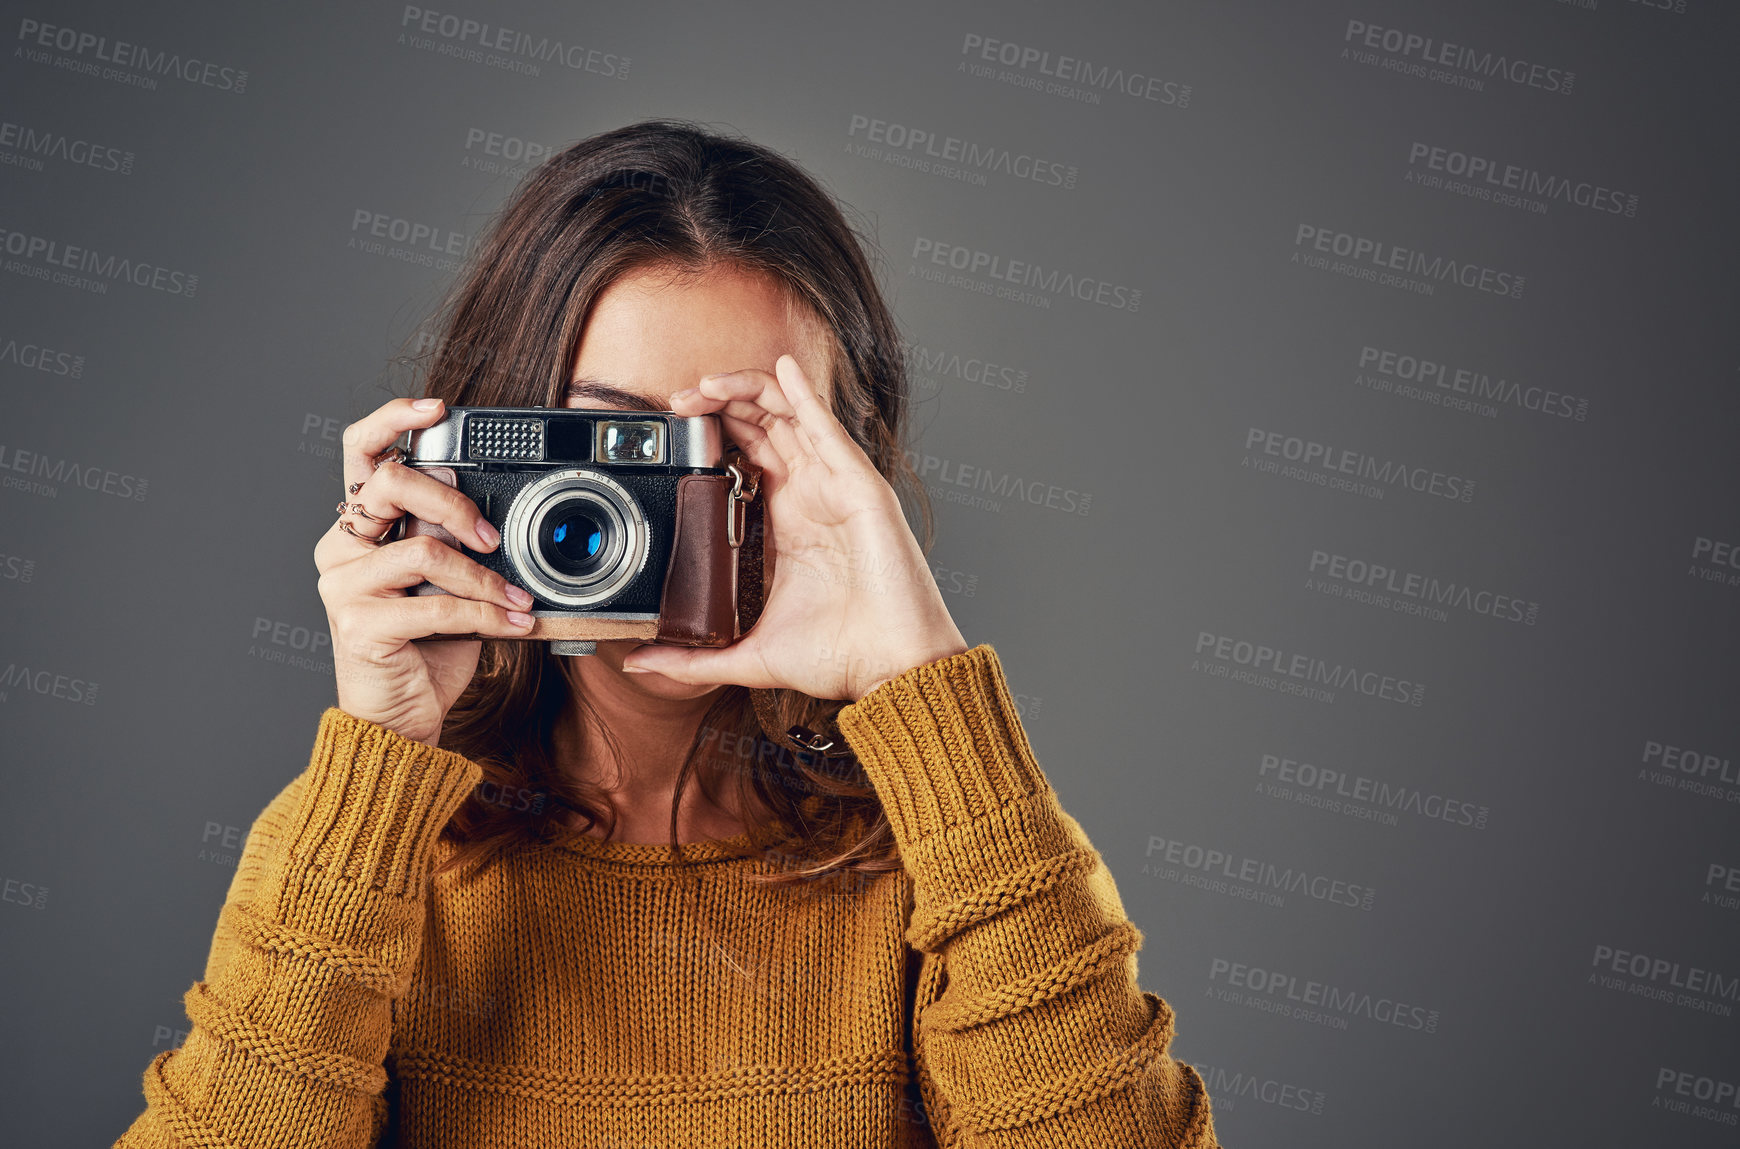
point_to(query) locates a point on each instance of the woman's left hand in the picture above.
(852, 601)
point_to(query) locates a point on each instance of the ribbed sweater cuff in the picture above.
(944, 747)
(373, 804)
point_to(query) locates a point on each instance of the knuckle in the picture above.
(385, 478)
(429, 549)
(353, 434)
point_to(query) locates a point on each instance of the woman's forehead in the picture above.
(652, 332)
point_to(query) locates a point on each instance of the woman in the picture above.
(492, 911)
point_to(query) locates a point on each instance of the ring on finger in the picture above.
(372, 540)
(359, 509)
(393, 454)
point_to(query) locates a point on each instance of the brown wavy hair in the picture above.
(664, 193)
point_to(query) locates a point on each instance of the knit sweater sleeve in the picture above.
(317, 936)
(1040, 1035)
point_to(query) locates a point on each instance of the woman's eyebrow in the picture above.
(614, 397)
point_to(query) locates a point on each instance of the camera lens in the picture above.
(573, 537)
(576, 538)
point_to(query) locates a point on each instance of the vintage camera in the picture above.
(620, 524)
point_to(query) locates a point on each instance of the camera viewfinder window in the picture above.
(637, 442)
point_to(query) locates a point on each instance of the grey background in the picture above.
(123, 813)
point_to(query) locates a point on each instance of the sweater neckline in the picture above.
(659, 853)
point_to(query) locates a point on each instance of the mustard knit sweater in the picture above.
(603, 996)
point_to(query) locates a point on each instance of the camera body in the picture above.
(619, 523)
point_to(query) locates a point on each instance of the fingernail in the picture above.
(636, 669)
(519, 619)
(720, 375)
(426, 404)
(488, 533)
(686, 391)
(518, 596)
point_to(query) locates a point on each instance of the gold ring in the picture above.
(373, 541)
(359, 509)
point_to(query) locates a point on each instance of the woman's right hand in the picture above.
(383, 676)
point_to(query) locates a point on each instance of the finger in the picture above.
(397, 489)
(756, 445)
(815, 419)
(387, 570)
(397, 620)
(380, 429)
(736, 664)
(755, 385)
(779, 435)
(749, 436)
(755, 397)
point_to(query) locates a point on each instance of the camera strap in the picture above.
(750, 595)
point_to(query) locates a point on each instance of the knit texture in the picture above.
(602, 996)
